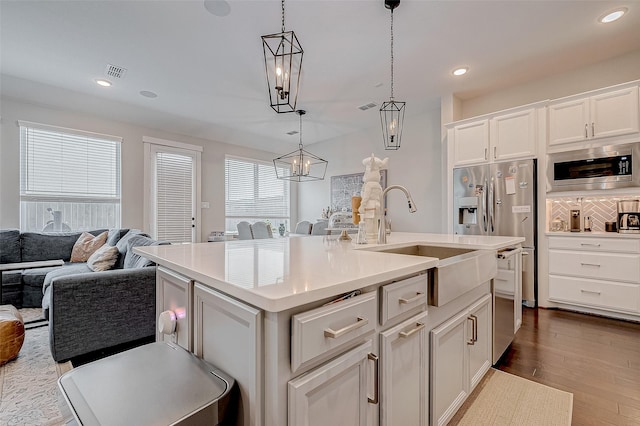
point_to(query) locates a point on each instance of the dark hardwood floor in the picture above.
(597, 359)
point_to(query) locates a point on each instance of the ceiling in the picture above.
(208, 70)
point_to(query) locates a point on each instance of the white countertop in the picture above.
(281, 273)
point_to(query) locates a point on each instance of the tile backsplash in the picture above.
(599, 209)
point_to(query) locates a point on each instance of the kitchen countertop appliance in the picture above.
(629, 216)
(500, 199)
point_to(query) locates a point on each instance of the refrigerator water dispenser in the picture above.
(468, 211)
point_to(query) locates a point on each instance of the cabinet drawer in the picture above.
(618, 245)
(600, 294)
(606, 266)
(403, 296)
(329, 328)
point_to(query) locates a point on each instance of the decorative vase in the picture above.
(281, 229)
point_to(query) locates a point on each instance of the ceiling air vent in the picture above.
(293, 132)
(367, 106)
(115, 71)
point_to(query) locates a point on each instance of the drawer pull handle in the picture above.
(589, 264)
(376, 361)
(419, 326)
(590, 244)
(415, 298)
(589, 291)
(334, 334)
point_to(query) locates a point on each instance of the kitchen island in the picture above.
(260, 310)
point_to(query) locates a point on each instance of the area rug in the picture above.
(504, 399)
(29, 393)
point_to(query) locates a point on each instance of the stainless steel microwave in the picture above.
(607, 167)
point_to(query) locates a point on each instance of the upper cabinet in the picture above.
(510, 134)
(609, 113)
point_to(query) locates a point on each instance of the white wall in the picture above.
(416, 165)
(617, 70)
(132, 162)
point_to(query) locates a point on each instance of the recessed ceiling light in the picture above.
(460, 71)
(612, 16)
(217, 7)
(148, 94)
(103, 83)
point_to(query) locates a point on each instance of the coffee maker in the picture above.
(629, 216)
(574, 220)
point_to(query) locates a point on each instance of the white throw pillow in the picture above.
(103, 259)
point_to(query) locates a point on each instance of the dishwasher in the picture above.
(507, 297)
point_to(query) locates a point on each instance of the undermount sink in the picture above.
(458, 271)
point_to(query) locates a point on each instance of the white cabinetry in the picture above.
(470, 143)
(404, 374)
(336, 393)
(174, 292)
(603, 114)
(503, 136)
(229, 333)
(460, 355)
(600, 273)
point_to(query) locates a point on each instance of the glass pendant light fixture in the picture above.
(392, 112)
(300, 165)
(283, 65)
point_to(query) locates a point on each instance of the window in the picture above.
(253, 193)
(69, 179)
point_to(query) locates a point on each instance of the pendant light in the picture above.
(283, 65)
(392, 112)
(300, 165)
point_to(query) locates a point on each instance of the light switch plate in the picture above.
(204, 205)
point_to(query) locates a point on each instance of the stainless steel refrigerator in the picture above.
(500, 199)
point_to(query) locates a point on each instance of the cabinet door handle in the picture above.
(474, 331)
(495, 153)
(593, 129)
(419, 326)
(376, 363)
(589, 264)
(415, 298)
(590, 244)
(586, 130)
(485, 154)
(589, 291)
(334, 334)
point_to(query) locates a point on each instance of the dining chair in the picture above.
(261, 230)
(320, 228)
(303, 227)
(244, 231)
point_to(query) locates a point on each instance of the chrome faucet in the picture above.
(382, 225)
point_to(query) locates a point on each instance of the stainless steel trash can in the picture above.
(155, 384)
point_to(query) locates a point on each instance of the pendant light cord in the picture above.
(282, 15)
(391, 52)
(300, 144)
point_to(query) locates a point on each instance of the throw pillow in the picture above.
(103, 259)
(133, 260)
(86, 245)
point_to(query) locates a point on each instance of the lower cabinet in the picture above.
(404, 373)
(228, 334)
(336, 393)
(460, 356)
(174, 293)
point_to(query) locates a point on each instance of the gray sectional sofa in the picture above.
(87, 311)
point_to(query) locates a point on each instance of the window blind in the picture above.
(174, 197)
(253, 192)
(72, 172)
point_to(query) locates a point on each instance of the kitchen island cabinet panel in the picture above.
(229, 333)
(336, 393)
(404, 374)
